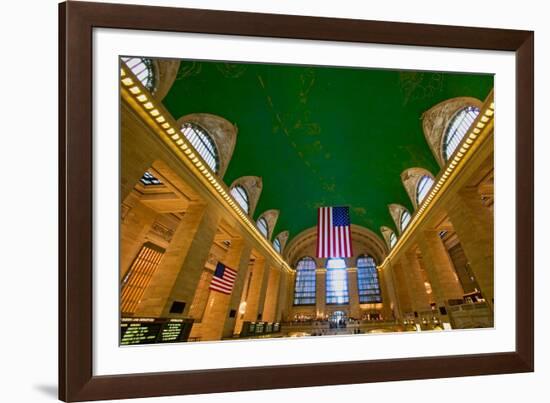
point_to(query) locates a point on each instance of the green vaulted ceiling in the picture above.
(322, 136)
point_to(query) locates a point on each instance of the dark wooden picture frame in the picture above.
(76, 23)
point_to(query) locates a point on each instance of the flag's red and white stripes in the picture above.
(332, 240)
(224, 283)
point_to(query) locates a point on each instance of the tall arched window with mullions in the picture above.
(422, 188)
(143, 69)
(457, 128)
(304, 288)
(368, 283)
(405, 219)
(337, 282)
(263, 226)
(203, 144)
(241, 197)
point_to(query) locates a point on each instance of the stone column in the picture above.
(413, 275)
(387, 295)
(353, 292)
(230, 326)
(244, 297)
(216, 316)
(263, 291)
(441, 273)
(473, 223)
(257, 290)
(320, 292)
(272, 295)
(196, 310)
(178, 274)
(283, 303)
(402, 288)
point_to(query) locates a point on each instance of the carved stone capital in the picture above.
(166, 71)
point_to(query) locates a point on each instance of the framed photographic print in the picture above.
(253, 201)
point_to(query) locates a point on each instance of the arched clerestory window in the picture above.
(404, 220)
(368, 283)
(143, 69)
(203, 144)
(393, 239)
(337, 282)
(277, 245)
(304, 287)
(423, 188)
(241, 197)
(263, 226)
(457, 128)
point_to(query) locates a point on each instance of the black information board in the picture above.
(256, 328)
(154, 330)
(260, 328)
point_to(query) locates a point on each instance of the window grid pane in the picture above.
(139, 275)
(367, 281)
(277, 245)
(263, 227)
(337, 282)
(202, 143)
(393, 240)
(424, 185)
(241, 197)
(142, 69)
(405, 219)
(457, 129)
(304, 289)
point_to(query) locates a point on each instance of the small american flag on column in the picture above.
(223, 279)
(333, 232)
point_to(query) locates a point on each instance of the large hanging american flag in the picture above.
(223, 279)
(333, 232)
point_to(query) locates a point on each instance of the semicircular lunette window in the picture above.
(424, 185)
(241, 197)
(203, 143)
(458, 127)
(262, 226)
(143, 69)
(405, 219)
